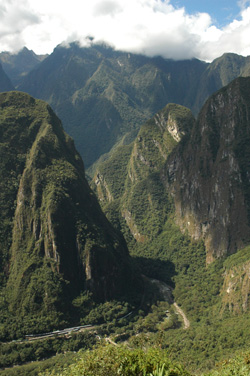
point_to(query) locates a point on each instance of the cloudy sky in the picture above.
(178, 29)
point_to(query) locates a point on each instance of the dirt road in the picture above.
(184, 317)
(166, 292)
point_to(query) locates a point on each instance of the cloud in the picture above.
(104, 8)
(243, 4)
(14, 18)
(151, 27)
(232, 38)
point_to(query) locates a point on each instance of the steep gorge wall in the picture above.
(209, 176)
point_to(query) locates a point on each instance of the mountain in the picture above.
(220, 73)
(209, 176)
(203, 165)
(55, 242)
(131, 179)
(180, 195)
(18, 65)
(5, 83)
(103, 96)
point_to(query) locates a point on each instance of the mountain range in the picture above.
(103, 96)
(169, 198)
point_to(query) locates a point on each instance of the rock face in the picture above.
(55, 240)
(131, 183)
(203, 165)
(209, 175)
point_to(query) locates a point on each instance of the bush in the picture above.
(111, 360)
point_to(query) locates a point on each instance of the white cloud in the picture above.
(104, 8)
(153, 27)
(232, 38)
(14, 18)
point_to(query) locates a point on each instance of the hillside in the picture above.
(131, 179)
(55, 242)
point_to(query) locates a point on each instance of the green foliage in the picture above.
(238, 366)
(129, 184)
(159, 371)
(239, 258)
(17, 353)
(35, 367)
(109, 360)
(161, 317)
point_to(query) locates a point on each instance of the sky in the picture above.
(177, 29)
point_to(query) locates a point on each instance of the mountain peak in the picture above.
(55, 240)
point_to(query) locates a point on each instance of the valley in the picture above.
(136, 240)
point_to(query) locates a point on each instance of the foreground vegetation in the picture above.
(109, 360)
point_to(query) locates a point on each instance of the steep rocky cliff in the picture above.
(130, 182)
(206, 173)
(208, 176)
(55, 240)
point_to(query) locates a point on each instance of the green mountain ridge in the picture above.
(55, 241)
(134, 180)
